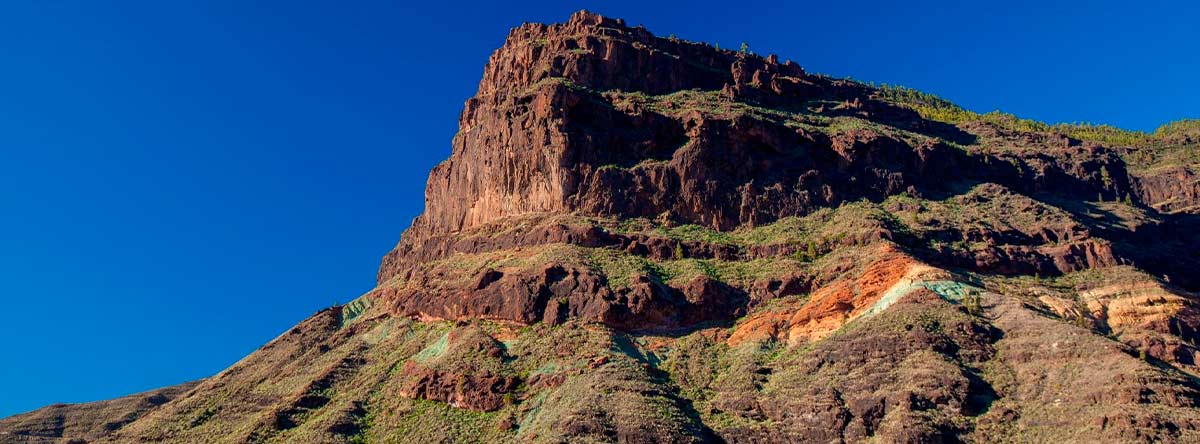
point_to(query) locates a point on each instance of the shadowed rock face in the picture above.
(641, 240)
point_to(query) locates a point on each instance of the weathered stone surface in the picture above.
(482, 392)
(554, 293)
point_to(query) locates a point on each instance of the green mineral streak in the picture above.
(548, 369)
(437, 348)
(536, 408)
(952, 291)
(355, 308)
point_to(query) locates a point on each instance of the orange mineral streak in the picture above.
(831, 306)
(1144, 304)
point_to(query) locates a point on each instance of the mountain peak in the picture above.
(640, 239)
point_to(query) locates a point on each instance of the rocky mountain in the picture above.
(641, 239)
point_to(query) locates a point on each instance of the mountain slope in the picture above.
(642, 239)
(83, 422)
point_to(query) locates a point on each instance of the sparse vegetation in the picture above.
(935, 108)
(973, 304)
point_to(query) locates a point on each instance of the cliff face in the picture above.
(597, 118)
(644, 239)
(524, 143)
(593, 119)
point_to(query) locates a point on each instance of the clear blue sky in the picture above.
(180, 183)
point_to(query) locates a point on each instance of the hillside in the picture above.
(640, 239)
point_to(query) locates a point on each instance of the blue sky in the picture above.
(180, 183)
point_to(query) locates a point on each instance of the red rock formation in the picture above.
(836, 303)
(483, 392)
(549, 132)
(553, 293)
(1170, 189)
